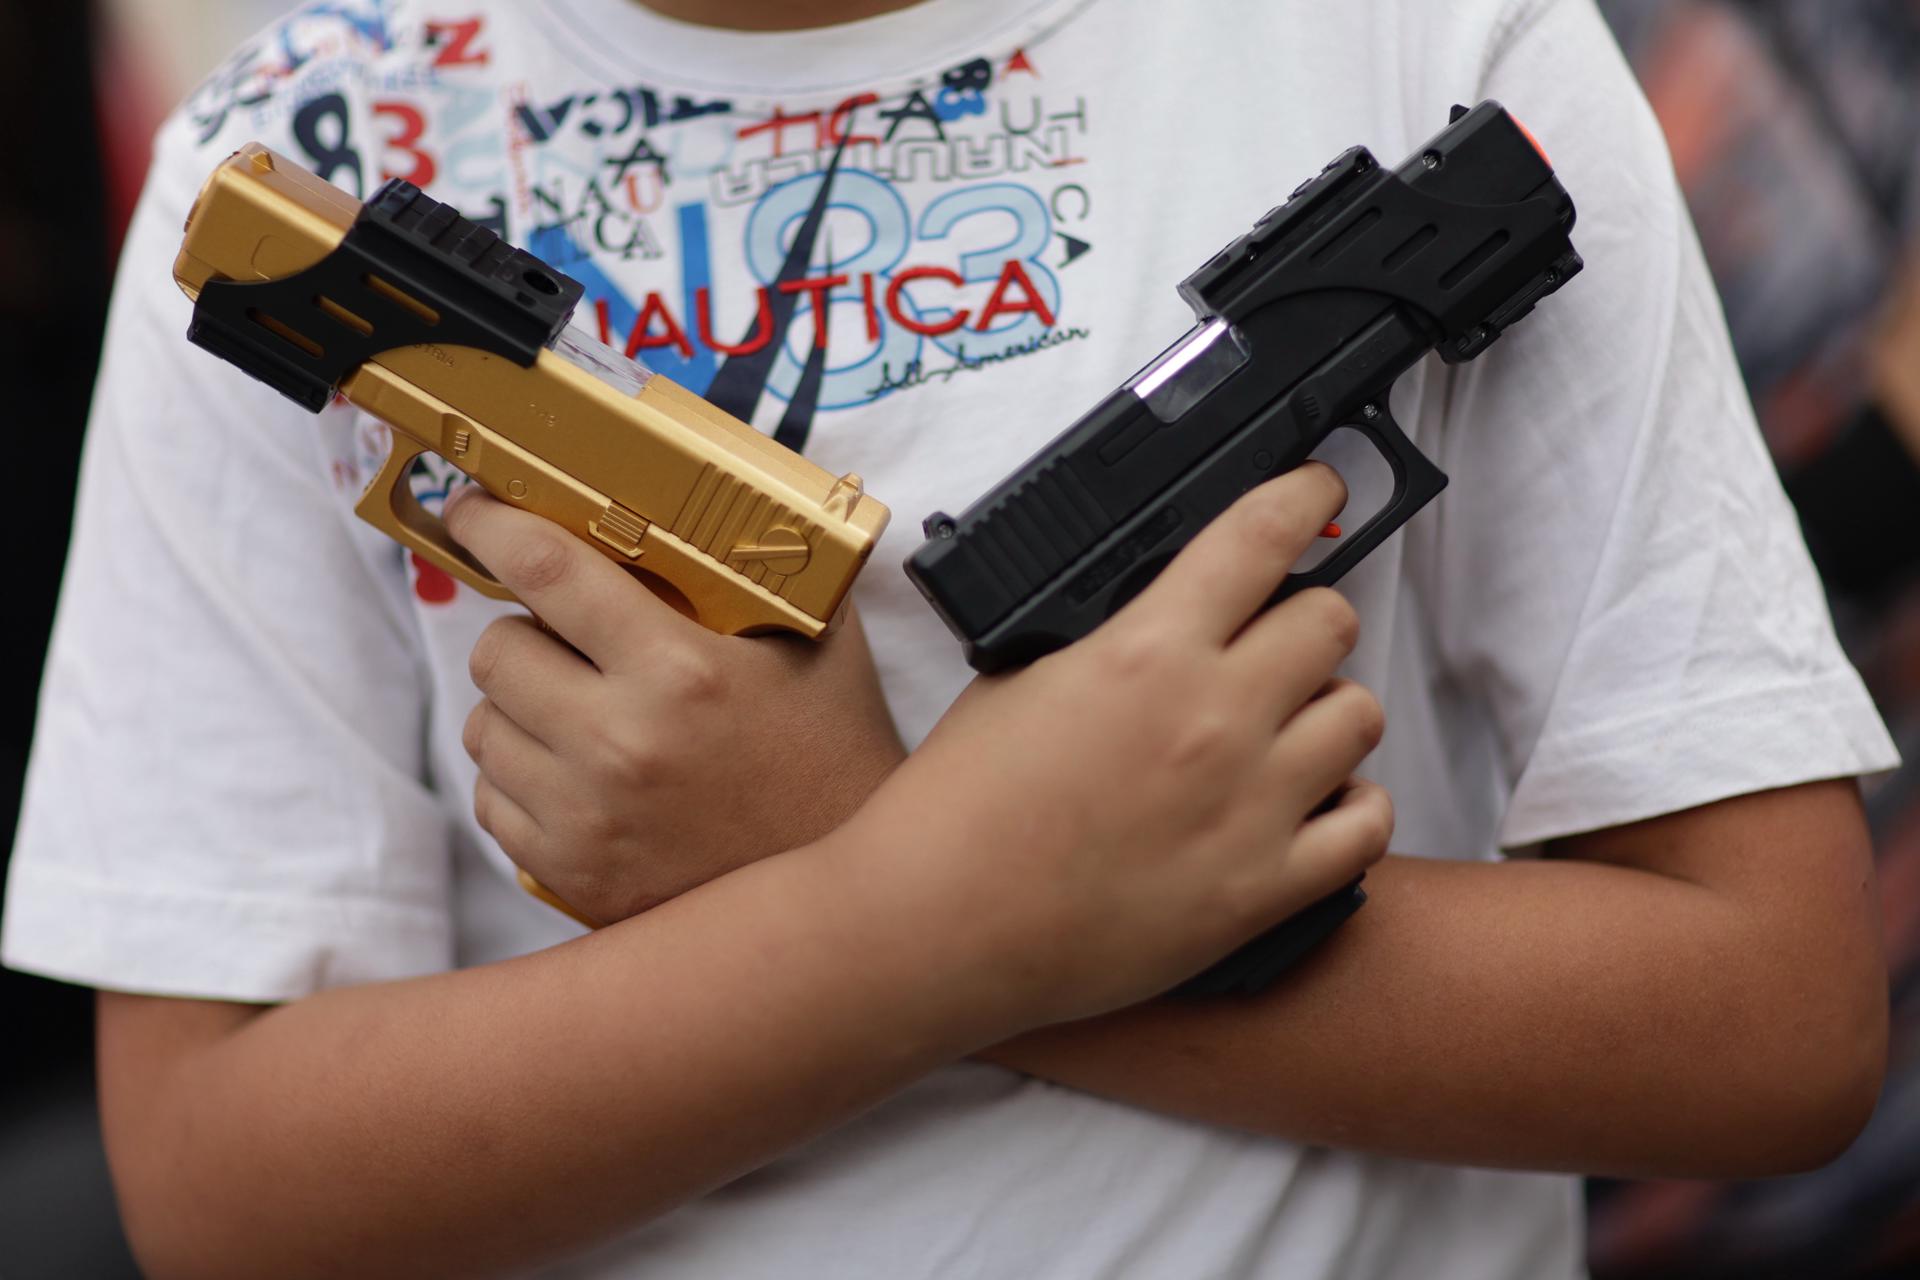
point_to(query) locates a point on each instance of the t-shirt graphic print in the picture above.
(782, 256)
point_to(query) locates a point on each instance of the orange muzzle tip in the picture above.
(1528, 134)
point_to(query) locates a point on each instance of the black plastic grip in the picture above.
(1254, 966)
(409, 270)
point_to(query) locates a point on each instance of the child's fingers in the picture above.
(1234, 565)
(537, 679)
(501, 817)
(1289, 653)
(1331, 848)
(1325, 742)
(589, 601)
(512, 760)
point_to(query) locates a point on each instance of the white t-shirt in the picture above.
(248, 782)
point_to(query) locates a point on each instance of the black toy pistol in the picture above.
(1304, 325)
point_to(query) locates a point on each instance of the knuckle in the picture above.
(483, 805)
(700, 679)
(626, 755)
(1340, 618)
(1202, 742)
(579, 826)
(539, 562)
(1380, 833)
(1136, 654)
(1369, 718)
(600, 827)
(1272, 524)
(1373, 824)
(689, 673)
(486, 653)
(473, 734)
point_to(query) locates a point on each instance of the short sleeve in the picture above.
(225, 797)
(1618, 573)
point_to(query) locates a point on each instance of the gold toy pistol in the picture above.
(460, 343)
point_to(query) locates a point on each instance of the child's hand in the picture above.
(1085, 833)
(659, 755)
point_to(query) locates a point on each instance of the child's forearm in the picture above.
(473, 1122)
(1567, 1015)
(477, 1121)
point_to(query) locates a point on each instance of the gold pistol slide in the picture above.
(461, 344)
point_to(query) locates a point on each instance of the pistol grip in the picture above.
(389, 506)
(1257, 964)
(1416, 482)
(534, 888)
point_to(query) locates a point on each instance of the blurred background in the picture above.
(1795, 128)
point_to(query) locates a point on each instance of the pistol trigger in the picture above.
(389, 505)
(1415, 483)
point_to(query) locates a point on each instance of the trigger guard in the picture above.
(389, 505)
(1416, 482)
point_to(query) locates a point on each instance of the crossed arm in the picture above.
(1699, 994)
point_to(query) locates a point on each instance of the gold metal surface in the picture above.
(753, 536)
(532, 886)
